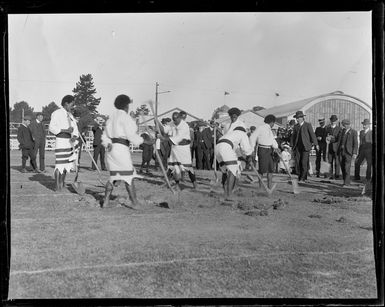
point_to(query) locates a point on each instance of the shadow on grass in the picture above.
(45, 180)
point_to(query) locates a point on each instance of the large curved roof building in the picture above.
(323, 106)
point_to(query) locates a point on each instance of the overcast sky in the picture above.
(196, 56)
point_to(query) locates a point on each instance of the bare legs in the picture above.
(60, 179)
(131, 194)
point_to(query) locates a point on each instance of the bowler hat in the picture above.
(321, 120)
(345, 122)
(234, 111)
(333, 118)
(27, 117)
(366, 121)
(299, 114)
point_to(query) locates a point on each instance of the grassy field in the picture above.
(319, 244)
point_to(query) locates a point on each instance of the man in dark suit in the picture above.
(199, 147)
(347, 149)
(38, 136)
(302, 139)
(208, 145)
(27, 145)
(97, 144)
(320, 133)
(364, 151)
(333, 133)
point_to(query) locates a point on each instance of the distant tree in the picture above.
(48, 110)
(15, 114)
(142, 109)
(217, 111)
(258, 108)
(85, 101)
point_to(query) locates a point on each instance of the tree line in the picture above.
(85, 106)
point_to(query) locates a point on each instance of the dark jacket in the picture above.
(348, 142)
(208, 138)
(97, 135)
(38, 131)
(321, 132)
(24, 136)
(307, 135)
(336, 134)
(366, 139)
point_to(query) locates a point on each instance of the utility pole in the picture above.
(156, 97)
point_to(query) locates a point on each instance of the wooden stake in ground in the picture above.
(294, 181)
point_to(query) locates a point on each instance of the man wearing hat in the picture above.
(27, 145)
(320, 133)
(347, 150)
(302, 139)
(333, 132)
(38, 135)
(97, 129)
(364, 151)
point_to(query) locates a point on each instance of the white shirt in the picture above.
(61, 119)
(263, 136)
(182, 131)
(121, 125)
(237, 123)
(240, 141)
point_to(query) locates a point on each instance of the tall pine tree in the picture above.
(85, 101)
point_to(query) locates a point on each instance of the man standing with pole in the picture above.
(64, 126)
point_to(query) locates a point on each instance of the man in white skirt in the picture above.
(233, 140)
(64, 126)
(180, 156)
(120, 131)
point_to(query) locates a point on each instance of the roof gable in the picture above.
(169, 112)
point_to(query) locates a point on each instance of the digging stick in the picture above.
(294, 181)
(156, 151)
(268, 191)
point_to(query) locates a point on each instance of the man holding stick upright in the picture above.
(180, 156)
(64, 126)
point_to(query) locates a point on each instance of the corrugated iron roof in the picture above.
(291, 107)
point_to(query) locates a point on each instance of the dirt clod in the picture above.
(279, 204)
(264, 212)
(164, 205)
(341, 219)
(315, 216)
(252, 213)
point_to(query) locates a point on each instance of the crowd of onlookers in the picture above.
(337, 143)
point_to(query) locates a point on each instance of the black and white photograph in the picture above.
(191, 155)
